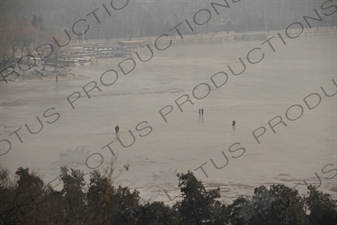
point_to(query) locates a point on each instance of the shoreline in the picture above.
(49, 76)
(46, 79)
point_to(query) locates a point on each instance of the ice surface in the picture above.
(264, 91)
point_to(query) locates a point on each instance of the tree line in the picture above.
(149, 17)
(28, 200)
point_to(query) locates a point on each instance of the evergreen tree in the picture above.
(198, 205)
(35, 21)
(40, 23)
(323, 209)
(74, 197)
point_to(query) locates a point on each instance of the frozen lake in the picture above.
(301, 150)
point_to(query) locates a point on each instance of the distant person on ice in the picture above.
(199, 115)
(233, 123)
(117, 129)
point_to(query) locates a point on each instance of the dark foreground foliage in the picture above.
(29, 201)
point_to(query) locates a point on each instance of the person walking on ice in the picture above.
(233, 125)
(200, 116)
(117, 129)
